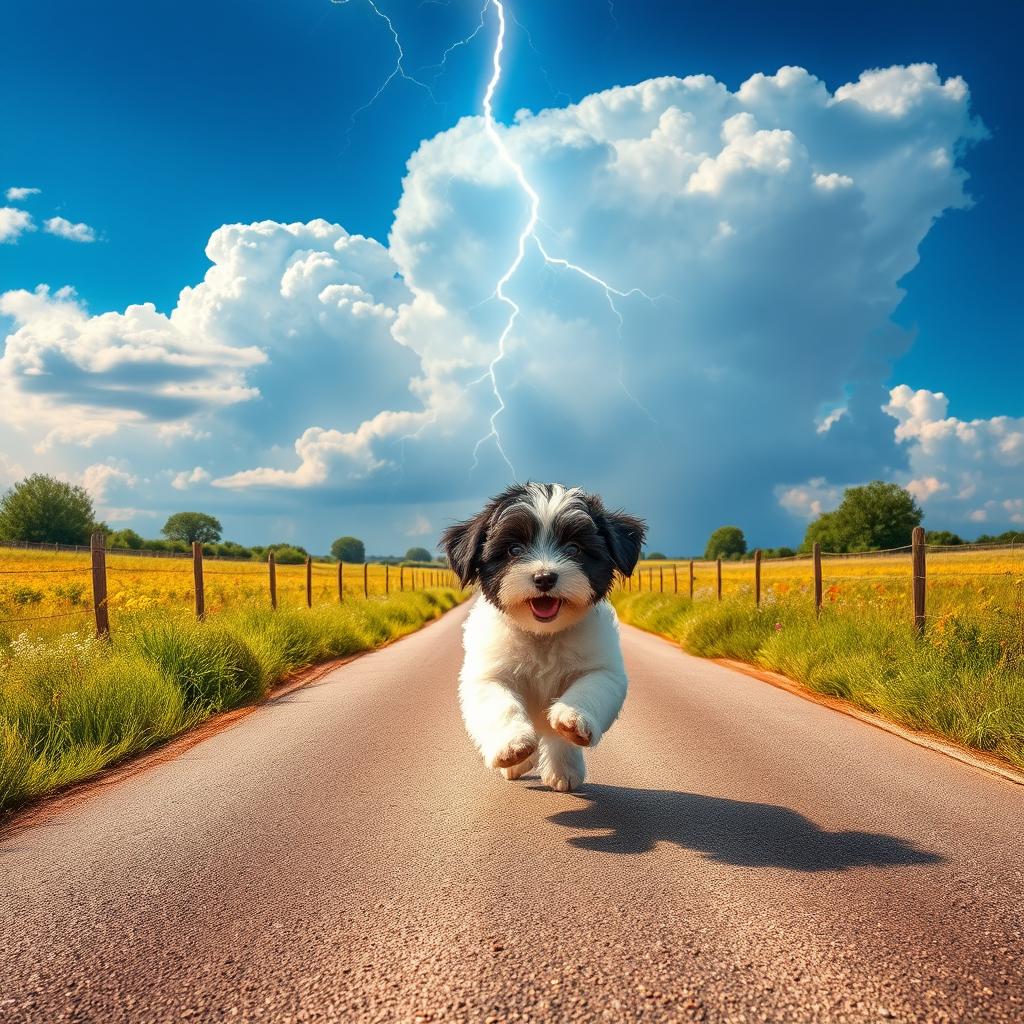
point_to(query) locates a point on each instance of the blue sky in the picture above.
(156, 124)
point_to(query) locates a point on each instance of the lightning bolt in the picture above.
(398, 71)
(440, 66)
(526, 235)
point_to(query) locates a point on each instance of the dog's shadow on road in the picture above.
(621, 820)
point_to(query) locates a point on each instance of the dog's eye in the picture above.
(516, 550)
(572, 550)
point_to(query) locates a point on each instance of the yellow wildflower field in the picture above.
(45, 585)
(965, 580)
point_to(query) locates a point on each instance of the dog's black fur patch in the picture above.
(479, 549)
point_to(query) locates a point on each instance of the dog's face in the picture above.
(543, 553)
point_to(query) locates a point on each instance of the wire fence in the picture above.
(96, 580)
(917, 577)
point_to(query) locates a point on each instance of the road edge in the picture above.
(979, 759)
(46, 806)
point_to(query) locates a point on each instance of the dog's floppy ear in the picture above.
(463, 543)
(624, 534)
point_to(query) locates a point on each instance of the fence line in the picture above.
(99, 569)
(916, 574)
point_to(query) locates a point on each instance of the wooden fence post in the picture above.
(366, 580)
(757, 577)
(675, 578)
(272, 571)
(401, 579)
(341, 582)
(309, 581)
(718, 570)
(691, 579)
(918, 562)
(97, 546)
(197, 574)
(817, 578)
(387, 578)
(661, 579)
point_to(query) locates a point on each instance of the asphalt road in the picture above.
(737, 854)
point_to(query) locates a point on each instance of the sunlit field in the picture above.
(58, 584)
(962, 678)
(71, 703)
(985, 579)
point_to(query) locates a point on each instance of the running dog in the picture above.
(543, 674)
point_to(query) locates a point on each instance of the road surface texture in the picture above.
(737, 854)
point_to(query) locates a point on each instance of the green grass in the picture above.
(964, 679)
(71, 705)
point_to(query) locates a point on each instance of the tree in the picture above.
(189, 527)
(874, 516)
(43, 508)
(655, 556)
(825, 531)
(418, 555)
(351, 549)
(726, 542)
(125, 539)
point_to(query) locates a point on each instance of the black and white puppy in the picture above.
(543, 674)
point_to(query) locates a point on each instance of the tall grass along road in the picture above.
(738, 854)
(960, 676)
(72, 703)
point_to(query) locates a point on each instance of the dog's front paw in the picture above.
(563, 778)
(571, 724)
(514, 751)
(517, 771)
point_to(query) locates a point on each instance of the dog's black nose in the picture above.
(545, 580)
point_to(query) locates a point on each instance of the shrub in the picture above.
(726, 542)
(43, 508)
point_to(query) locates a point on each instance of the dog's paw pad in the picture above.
(515, 752)
(571, 724)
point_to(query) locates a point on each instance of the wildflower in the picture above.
(778, 627)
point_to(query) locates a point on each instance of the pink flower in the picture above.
(778, 626)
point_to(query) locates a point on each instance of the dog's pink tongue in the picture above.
(545, 605)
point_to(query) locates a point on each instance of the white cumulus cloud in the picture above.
(14, 223)
(769, 228)
(99, 478)
(966, 470)
(16, 193)
(186, 478)
(64, 228)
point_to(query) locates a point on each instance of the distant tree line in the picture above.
(872, 517)
(43, 509)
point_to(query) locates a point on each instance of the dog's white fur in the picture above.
(535, 691)
(520, 691)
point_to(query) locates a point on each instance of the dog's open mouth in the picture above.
(545, 608)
